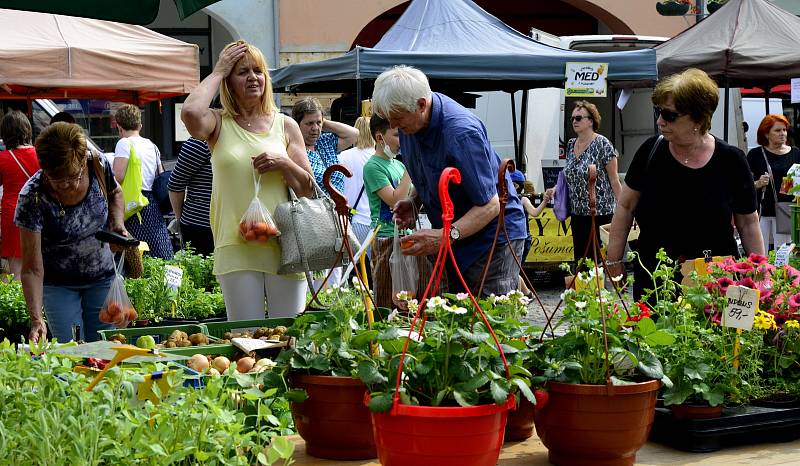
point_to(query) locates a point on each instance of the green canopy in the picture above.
(141, 12)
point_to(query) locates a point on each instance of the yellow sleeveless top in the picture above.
(232, 190)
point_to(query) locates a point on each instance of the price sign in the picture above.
(741, 309)
(783, 253)
(174, 277)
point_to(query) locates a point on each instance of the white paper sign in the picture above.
(586, 79)
(174, 276)
(741, 309)
(783, 253)
(795, 93)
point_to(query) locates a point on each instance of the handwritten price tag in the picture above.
(741, 309)
(174, 277)
(783, 253)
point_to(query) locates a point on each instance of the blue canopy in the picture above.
(461, 47)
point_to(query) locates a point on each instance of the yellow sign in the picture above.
(552, 239)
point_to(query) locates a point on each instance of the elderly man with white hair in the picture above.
(436, 132)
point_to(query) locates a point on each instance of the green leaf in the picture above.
(262, 459)
(476, 338)
(618, 381)
(283, 446)
(437, 400)
(369, 374)
(650, 365)
(524, 389)
(646, 326)
(296, 395)
(473, 384)
(659, 338)
(364, 337)
(714, 397)
(380, 403)
(464, 399)
(499, 392)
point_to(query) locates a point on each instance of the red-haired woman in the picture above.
(772, 148)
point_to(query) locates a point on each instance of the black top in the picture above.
(686, 210)
(780, 166)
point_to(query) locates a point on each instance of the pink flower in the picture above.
(757, 259)
(748, 282)
(766, 294)
(711, 286)
(742, 267)
(794, 301)
(794, 273)
(716, 320)
(724, 283)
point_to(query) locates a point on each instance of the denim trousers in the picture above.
(67, 306)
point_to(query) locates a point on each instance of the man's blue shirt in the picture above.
(457, 138)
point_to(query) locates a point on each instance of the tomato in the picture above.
(104, 316)
(406, 242)
(251, 235)
(263, 238)
(131, 314)
(243, 228)
(272, 230)
(260, 228)
(114, 310)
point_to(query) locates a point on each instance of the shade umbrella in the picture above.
(141, 12)
(53, 56)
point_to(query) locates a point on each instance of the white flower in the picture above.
(413, 305)
(492, 298)
(329, 290)
(436, 301)
(617, 279)
(502, 299)
(456, 310)
(566, 294)
(462, 296)
(524, 300)
(403, 296)
(580, 304)
(392, 315)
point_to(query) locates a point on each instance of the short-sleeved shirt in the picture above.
(322, 157)
(457, 138)
(354, 159)
(689, 210)
(378, 174)
(780, 165)
(147, 152)
(192, 173)
(71, 255)
(598, 153)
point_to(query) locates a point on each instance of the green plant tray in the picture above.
(222, 349)
(218, 329)
(158, 333)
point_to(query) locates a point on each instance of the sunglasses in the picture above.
(668, 115)
(66, 182)
(578, 118)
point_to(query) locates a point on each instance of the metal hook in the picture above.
(338, 198)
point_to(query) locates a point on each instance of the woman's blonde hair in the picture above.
(365, 140)
(61, 148)
(591, 108)
(129, 117)
(693, 92)
(230, 108)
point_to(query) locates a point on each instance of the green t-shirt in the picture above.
(379, 173)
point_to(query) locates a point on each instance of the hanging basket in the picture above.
(333, 421)
(520, 421)
(672, 8)
(441, 436)
(597, 425)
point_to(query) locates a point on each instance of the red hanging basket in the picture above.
(520, 421)
(441, 436)
(596, 425)
(333, 421)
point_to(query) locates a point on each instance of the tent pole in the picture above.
(727, 107)
(514, 126)
(766, 100)
(358, 98)
(523, 115)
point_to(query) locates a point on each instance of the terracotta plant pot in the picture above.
(441, 436)
(333, 420)
(597, 425)
(520, 421)
(690, 411)
(672, 8)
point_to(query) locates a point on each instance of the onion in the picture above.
(221, 363)
(245, 364)
(198, 362)
(213, 372)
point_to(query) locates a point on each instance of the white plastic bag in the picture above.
(404, 270)
(117, 308)
(256, 223)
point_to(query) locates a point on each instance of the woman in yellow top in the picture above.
(248, 134)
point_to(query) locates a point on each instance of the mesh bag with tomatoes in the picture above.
(256, 223)
(404, 270)
(117, 308)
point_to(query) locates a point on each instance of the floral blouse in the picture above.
(576, 171)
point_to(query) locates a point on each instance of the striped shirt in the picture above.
(192, 173)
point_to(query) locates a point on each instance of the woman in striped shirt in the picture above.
(190, 194)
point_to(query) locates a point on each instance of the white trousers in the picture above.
(247, 292)
(768, 233)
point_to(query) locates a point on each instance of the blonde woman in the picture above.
(354, 159)
(248, 134)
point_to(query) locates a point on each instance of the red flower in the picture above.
(757, 259)
(644, 311)
(793, 273)
(748, 282)
(742, 267)
(794, 301)
(724, 283)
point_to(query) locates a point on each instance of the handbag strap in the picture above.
(18, 163)
(358, 198)
(653, 151)
(771, 178)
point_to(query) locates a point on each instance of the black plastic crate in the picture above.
(739, 425)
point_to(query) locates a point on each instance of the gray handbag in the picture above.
(783, 219)
(310, 238)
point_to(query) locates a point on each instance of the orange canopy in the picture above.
(52, 56)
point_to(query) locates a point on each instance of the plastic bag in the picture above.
(117, 309)
(256, 223)
(405, 273)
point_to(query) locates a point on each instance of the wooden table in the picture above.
(532, 453)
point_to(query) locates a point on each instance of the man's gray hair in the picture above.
(398, 89)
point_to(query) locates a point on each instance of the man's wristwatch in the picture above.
(455, 233)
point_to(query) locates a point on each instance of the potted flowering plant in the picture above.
(673, 7)
(602, 367)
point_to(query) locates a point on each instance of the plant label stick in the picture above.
(174, 276)
(741, 309)
(782, 254)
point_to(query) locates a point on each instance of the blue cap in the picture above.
(517, 177)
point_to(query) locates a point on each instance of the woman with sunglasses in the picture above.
(772, 147)
(687, 190)
(589, 148)
(61, 207)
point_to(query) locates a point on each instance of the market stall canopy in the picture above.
(460, 47)
(141, 12)
(51, 56)
(750, 42)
